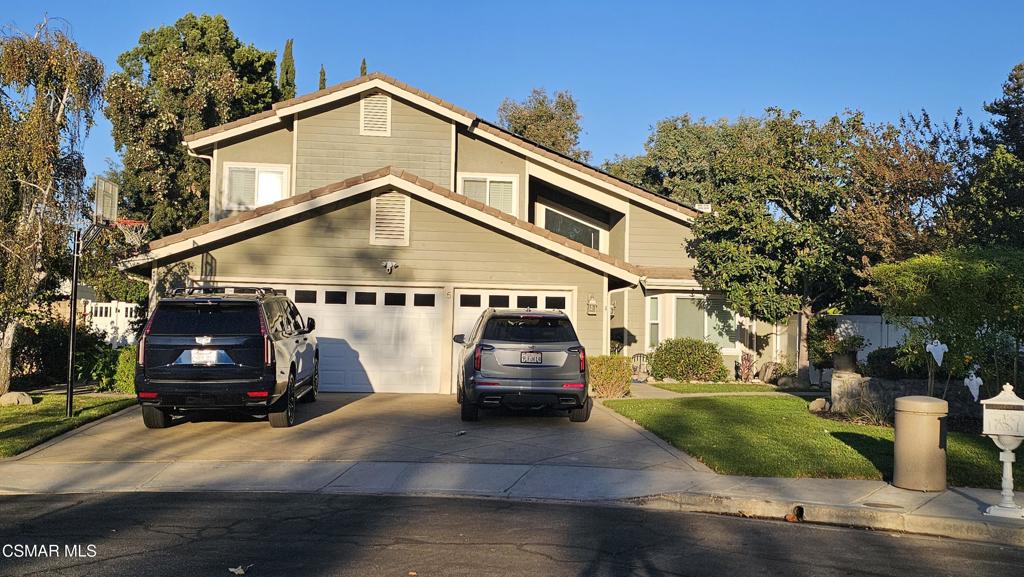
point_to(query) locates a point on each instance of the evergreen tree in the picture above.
(323, 77)
(362, 68)
(1007, 128)
(286, 80)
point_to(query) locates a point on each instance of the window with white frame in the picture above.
(500, 191)
(653, 322)
(247, 186)
(707, 319)
(574, 226)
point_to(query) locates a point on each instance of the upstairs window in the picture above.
(575, 227)
(247, 186)
(375, 115)
(500, 191)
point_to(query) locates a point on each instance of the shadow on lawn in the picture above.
(878, 451)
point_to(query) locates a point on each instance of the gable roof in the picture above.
(399, 179)
(474, 123)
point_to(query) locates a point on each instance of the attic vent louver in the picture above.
(389, 219)
(375, 115)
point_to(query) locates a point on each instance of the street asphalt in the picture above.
(155, 534)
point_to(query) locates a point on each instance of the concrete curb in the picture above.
(858, 516)
(67, 434)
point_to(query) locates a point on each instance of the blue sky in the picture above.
(629, 64)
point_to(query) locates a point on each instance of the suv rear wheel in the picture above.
(314, 384)
(582, 414)
(155, 417)
(469, 411)
(284, 415)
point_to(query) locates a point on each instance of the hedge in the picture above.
(686, 359)
(610, 376)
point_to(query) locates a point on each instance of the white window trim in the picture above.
(489, 176)
(286, 181)
(373, 219)
(362, 107)
(602, 234)
(648, 322)
(736, 348)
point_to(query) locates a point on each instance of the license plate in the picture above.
(204, 356)
(531, 358)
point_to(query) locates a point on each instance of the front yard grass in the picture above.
(715, 387)
(778, 437)
(25, 426)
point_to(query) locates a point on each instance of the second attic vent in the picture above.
(389, 219)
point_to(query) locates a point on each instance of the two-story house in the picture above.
(394, 218)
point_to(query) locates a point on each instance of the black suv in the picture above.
(206, 348)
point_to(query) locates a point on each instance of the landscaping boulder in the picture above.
(818, 406)
(15, 398)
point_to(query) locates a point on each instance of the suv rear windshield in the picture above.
(529, 329)
(205, 318)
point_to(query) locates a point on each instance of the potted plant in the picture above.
(844, 351)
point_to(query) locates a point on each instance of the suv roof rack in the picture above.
(260, 292)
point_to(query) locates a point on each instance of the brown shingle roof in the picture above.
(480, 123)
(666, 272)
(408, 177)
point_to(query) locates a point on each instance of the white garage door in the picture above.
(376, 339)
(470, 303)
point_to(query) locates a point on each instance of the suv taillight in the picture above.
(142, 340)
(476, 357)
(583, 357)
(268, 347)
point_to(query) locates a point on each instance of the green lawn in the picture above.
(23, 427)
(715, 387)
(778, 437)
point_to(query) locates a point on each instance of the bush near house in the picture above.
(686, 359)
(41, 354)
(610, 376)
(124, 379)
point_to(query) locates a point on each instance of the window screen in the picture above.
(241, 191)
(554, 302)
(500, 195)
(475, 188)
(689, 318)
(305, 296)
(721, 327)
(526, 302)
(572, 229)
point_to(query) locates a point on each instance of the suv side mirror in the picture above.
(461, 339)
(310, 324)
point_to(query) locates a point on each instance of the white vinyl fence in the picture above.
(878, 333)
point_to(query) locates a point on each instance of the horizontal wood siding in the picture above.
(444, 248)
(274, 147)
(656, 240)
(480, 156)
(330, 147)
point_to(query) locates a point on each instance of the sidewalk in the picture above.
(955, 513)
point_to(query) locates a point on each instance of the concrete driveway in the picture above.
(375, 428)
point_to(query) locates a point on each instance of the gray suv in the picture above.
(523, 359)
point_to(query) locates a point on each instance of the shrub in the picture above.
(124, 378)
(103, 369)
(687, 359)
(885, 363)
(42, 350)
(610, 375)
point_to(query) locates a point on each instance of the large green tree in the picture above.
(552, 122)
(49, 90)
(1007, 126)
(178, 80)
(286, 80)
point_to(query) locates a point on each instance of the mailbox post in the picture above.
(1003, 422)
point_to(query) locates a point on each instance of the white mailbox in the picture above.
(1003, 422)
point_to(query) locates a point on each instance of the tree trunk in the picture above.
(7, 356)
(803, 357)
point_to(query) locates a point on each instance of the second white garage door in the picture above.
(376, 339)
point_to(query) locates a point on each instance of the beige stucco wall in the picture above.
(330, 147)
(657, 240)
(445, 249)
(273, 147)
